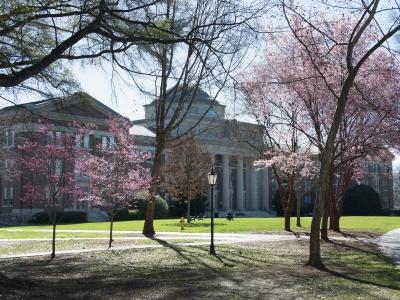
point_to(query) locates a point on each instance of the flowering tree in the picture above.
(185, 172)
(47, 163)
(289, 168)
(328, 64)
(115, 171)
(288, 152)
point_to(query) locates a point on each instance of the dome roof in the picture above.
(201, 96)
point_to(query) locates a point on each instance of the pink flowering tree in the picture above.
(289, 169)
(288, 151)
(47, 163)
(369, 122)
(115, 171)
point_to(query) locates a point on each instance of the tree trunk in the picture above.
(336, 223)
(287, 219)
(188, 211)
(148, 227)
(111, 230)
(53, 243)
(324, 226)
(337, 213)
(298, 210)
(323, 185)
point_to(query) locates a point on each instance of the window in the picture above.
(375, 182)
(9, 164)
(77, 169)
(112, 142)
(78, 140)
(11, 195)
(307, 185)
(50, 137)
(58, 167)
(5, 196)
(104, 142)
(86, 141)
(9, 138)
(59, 138)
(8, 196)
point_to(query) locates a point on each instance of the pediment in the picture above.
(80, 104)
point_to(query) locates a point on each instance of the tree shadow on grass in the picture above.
(378, 254)
(395, 278)
(191, 259)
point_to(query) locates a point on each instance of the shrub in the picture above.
(197, 207)
(362, 200)
(62, 217)
(125, 214)
(137, 212)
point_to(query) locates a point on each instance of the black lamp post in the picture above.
(212, 179)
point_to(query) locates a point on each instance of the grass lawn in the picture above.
(360, 224)
(241, 271)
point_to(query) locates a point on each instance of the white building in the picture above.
(240, 188)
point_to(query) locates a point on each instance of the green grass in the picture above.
(361, 224)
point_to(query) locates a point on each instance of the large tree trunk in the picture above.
(148, 228)
(324, 181)
(188, 211)
(53, 243)
(287, 214)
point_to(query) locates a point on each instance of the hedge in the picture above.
(62, 217)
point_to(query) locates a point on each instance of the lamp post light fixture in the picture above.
(212, 179)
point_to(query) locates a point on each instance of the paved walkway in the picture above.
(390, 245)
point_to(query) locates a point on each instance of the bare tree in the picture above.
(220, 31)
(37, 37)
(185, 171)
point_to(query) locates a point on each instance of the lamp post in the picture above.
(212, 179)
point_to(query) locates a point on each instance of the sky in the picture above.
(124, 99)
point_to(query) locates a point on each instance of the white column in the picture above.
(239, 184)
(253, 186)
(248, 185)
(225, 181)
(265, 188)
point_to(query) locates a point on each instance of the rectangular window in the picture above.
(49, 171)
(307, 185)
(9, 138)
(112, 142)
(8, 196)
(11, 196)
(9, 164)
(59, 138)
(104, 142)
(5, 197)
(86, 141)
(58, 167)
(50, 137)
(77, 168)
(78, 140)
